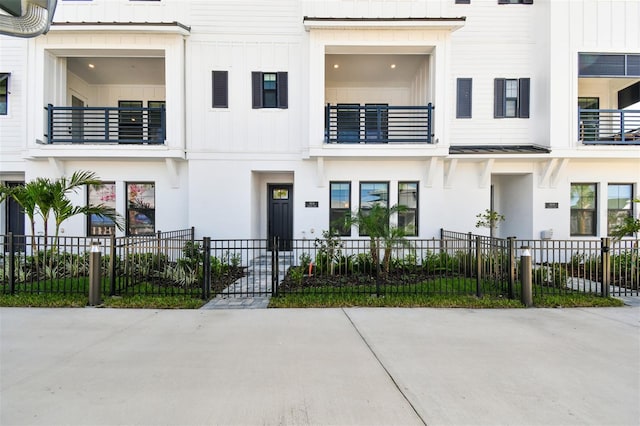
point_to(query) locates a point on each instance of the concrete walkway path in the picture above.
(320, 367)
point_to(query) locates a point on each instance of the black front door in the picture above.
(15, 220)
(280, 220)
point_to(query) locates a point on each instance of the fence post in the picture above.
(159, 249)
(275, 266)
(526, 276)
(469, 268)
(478, 267)
(95, 269)
(206, 268)
(112, 265)
(12, 263)
(511, 242)
(605, 260)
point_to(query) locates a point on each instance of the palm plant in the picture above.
(63, 209)
(375, 223)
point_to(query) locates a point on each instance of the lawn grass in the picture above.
(49, 300)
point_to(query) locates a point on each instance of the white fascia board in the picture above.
(111, 152)
(141, 28)
(378, 24)
(383, 151)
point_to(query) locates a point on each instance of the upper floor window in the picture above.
(619, 204)
(463, 97)
(608, 65)
(220, 89)
(270, 89)
(515, 1)
(4, 93)
(583, 209)
(511, 98)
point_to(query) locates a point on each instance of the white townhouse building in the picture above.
(255, 118)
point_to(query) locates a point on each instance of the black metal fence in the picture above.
(174, 263)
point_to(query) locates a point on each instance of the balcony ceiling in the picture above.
(372, 69)
(118, 70)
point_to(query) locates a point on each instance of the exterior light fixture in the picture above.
(393, 66)
(91, 66)
(336, 66)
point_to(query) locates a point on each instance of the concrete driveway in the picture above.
(320, 366)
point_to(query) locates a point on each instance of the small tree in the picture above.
(489, 219)
(375, 223)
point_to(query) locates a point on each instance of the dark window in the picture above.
(141, 208)
(376, 122)
(515, 1)
(348, 116)
(408, 197)
(269, 89)
(4, 93)
(372, 193)
(130, 120)
(608, 65)
(463, 1)
(339, 207)
(583, 209)
(220, 89)
(101, 194)
(463, 96)
(156, 126)
(511, 97)
(589, 120)
(619, 204)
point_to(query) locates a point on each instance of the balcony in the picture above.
(378, 124)
(609, 126)
(106, 125)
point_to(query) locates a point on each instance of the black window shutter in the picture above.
(256, 89)
(463, 105)
(498, 98)
(220, 85)
(523, 95)
(283, 90)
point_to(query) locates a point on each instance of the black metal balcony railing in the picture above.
(353, 123)
(609, 126)
(131, 125)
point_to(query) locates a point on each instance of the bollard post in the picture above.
(526, 276)
(95, 294)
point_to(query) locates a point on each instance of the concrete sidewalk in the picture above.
(320, 366)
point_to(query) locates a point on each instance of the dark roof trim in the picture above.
(325, 19)
(498, 149)
(124, 24)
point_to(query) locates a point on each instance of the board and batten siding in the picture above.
(239, 128)
(13, 60)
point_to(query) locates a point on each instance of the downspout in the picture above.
(35, 21)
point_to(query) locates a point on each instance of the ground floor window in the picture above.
(141, 208)
(408, 197)
(583, 209)
(371, 194)
(340, 206)
(619, 204)
(101, 194)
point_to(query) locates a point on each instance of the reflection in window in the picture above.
(101, 194)
(583, 209)
(373, 193)
(141, 208)
(408, 197)
(280, 194)
(619, 205)
(340, 206)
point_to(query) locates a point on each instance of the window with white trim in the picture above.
(408, 197)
